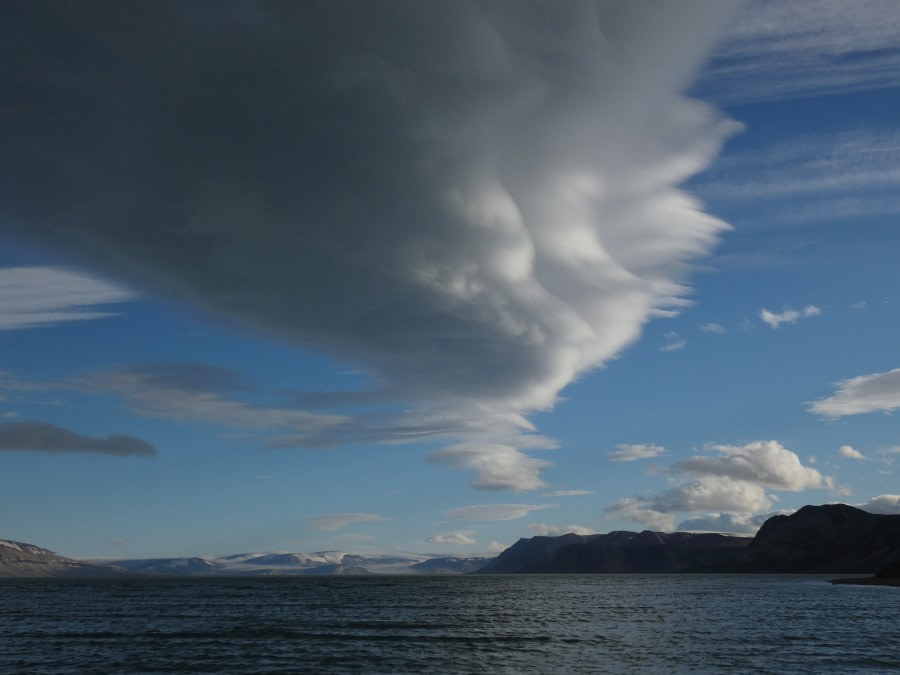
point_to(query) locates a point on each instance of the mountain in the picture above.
(171, 566)
(821, 539)
(892, 571)
(620, 551)
(26, 560)
(317, 563)
(450, 565)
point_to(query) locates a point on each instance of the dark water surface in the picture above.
(491, 624)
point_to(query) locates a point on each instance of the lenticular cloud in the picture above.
(476, 202)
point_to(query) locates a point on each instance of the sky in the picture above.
(431, 277)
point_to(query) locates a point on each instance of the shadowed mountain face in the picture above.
(25, 560)
(892, 571)
(821, 539)
(639, 552)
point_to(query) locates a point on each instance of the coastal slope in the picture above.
(616, 552)
(833, 538)
(26, 560)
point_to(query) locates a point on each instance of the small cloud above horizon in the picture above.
(491, 512)
(788, 315)
(457, 538)
(335, 521)
(567, 493)
(627, 452)
(711, 327)
(849, 452)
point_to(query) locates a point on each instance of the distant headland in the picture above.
(828, 539)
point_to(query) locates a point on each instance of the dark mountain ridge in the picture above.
(833, 538)
(619, 551)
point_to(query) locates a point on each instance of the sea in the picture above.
(449, 624)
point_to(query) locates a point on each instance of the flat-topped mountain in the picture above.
(26, 560)
(821, 539)
(620, 551)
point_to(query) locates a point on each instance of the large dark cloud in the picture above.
(475, 202)
(44, 437)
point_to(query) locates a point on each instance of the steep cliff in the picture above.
(821, 539)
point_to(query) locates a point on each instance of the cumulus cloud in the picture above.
(545, 530)
(630, 452)
(636, 510)
(788, 315)
(496, 546)
(335, 521)
(887, 504)
(32, 297)
(458, 538)
(764, 462)
(863, 394)
(491, 512)
(849, 452)
(737, 523)
(44, 437)
(567, 493)
(473, 204)
(732, 481)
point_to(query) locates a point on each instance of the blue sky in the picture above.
(371, 278)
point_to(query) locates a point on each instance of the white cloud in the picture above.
(499, 467)
(630, 452)
(636, 510)
(863, 394)
(436, 198)
(711, 327)
(766, 463)
(886, 504)
(673, 342)
(33, 297)
(497, 547)
(782, 50)
(737, 523)
(733, 481)
(567, 493)
(810, 179)
(335, 521)
(545, 530)
(842, 491)
(491, 512)
(788, 315)
(457, 538)
(710, 493)
(849, 452)
(862, 304)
